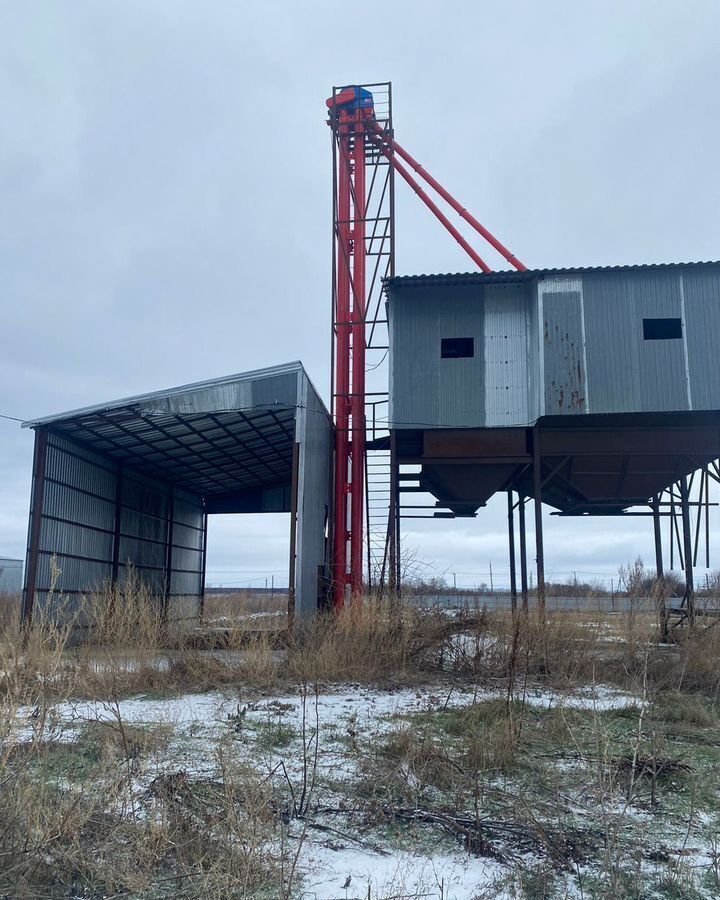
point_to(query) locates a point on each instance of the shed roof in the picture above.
(212, 437)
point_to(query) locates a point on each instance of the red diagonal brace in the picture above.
(400, 168)
(459, 209)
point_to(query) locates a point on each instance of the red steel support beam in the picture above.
(458, 207)
(434, 209)
(357, 495)
(342, 377)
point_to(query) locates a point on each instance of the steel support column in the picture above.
(357, 406)
(116, 525)
(687, 549)
(523, 551)
(537, 490)
(169, 554)
(655, 504)
(342, 378)
(38, 494)
(293, 535)
(203, 571)
(393, 518)
(511, 548)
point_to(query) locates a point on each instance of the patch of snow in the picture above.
(450, 876)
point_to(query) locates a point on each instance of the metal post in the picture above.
(662, 605)
(658, 537)
(537, 490)
(168, 554)
(357, 460)
(687, 549)
(38, 494)
(511, 543)
(203, 571)
(342, 376)
(523, 552)
(116, 527)
(392, 548)
(370, 575)
(293, 535)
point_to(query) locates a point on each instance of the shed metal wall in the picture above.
(510, 353)
(103, 519)
(552, 344)
(98, 520)
(314, 433)
(625, 372)
(701, 299)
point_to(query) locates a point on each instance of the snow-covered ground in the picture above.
(341, 854)
(336, 852)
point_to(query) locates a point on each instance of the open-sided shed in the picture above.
(130, 483)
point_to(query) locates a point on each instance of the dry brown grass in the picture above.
(88, 832)
(244, 604)
(95, 836)
(126, 647)
(10, 607)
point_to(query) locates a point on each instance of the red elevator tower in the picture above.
(365, 158)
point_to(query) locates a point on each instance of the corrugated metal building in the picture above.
(130, 483)
(506, 348)
(621, 361)
(11, 571)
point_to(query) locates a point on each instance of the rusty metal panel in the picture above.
(475, 443)
(561, 302)
(587, 349)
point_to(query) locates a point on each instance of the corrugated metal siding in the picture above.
(426, 389)
(491, 389)
(594, 357)
(150, 431)
(627, 373)
(314, 433)
(275, 390)
(507, 355)
(415, 360)
(77, 520)
(11, 572)
(201, 396)
(78, 527)
(460, 394)
(701, 288)
(144, 507)
(187, 562)
(563, 351)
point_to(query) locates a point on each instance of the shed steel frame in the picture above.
(132, 483)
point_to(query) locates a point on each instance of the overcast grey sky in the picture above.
(165, 186)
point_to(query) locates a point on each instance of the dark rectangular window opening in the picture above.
(662, 329)
(457, 348)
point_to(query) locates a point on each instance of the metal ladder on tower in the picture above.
(378, 495)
